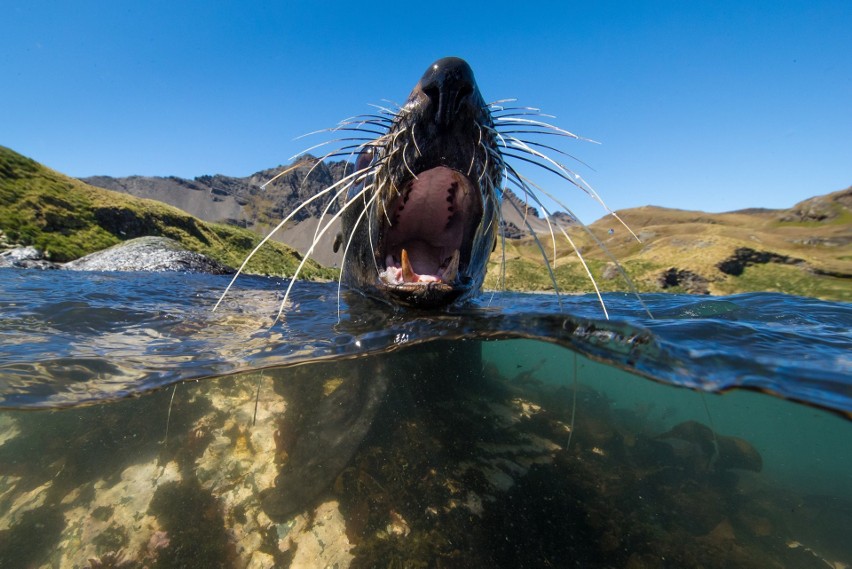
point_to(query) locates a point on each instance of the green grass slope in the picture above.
(805, 250)
(67, 219)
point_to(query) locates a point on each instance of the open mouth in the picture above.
(427, 231)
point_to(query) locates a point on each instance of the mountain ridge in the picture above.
(805, 249)
(66, 219)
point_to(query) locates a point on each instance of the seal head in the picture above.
(425, 221)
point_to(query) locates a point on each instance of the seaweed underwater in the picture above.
(413, 458)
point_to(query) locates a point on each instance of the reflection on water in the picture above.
(446, 454)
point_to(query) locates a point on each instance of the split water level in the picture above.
(140, 429)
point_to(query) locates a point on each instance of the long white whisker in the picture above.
(279, 174)
(521, 121)
(526, 208)
(376, 120)
(364, 142)
(505, 130)
(553, 148)
(330, 203)
(307, 256)
(340, 129)
(569, 175)
(349, 241)
(598, 242)
(579, 256)
(347, 186)
(543, 254)
(405, 161)
(521, 112)
(414, 140)
(278, 227)
(497, 104)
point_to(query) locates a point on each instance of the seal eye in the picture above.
(363, 162)
(365, 159)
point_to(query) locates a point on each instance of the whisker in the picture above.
(504, 130)
(414, 140)
(573, 246)
(520, 121)
(497, 104)
(502, 245)
(569, 175)
(522, 112)
(368, 117)
(544, 256)
(365, 142)
(503, 108)
(553, 148)
(349, 242)
(518, 180)
(487, 157)
(357, 124)
(281, 224)
(308, 255)
(391, 113)
(278, 175)
(555, 171)
(329, 205)
(473, 154)
(405, 161)
(599, 243)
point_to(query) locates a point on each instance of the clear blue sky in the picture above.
(698, 105)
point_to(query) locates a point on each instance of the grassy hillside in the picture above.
(806, 250)
(67, 219)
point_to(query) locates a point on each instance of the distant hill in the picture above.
(806, 250)
(67, 219)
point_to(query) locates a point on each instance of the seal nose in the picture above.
(450, 85)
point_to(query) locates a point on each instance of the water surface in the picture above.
(142, 429)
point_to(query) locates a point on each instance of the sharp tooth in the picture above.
(408, 274)
(452, 270)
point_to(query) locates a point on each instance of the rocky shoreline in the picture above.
(140, 254)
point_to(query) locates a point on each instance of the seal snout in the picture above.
(450, 87)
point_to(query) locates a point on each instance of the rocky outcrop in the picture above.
(745, 257)
(252, 200)
(148, 254)
(820, 208)
(687, 280)
(25, 258)
(143, 254)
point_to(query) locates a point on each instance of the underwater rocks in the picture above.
(442, 466)
(140, 254)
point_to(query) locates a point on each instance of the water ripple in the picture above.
(75, 338)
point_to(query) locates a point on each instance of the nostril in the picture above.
(433, 92)
(462, 95)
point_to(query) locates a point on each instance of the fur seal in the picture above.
(423, 220)
(422, 208)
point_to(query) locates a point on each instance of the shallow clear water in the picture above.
(514, 432)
